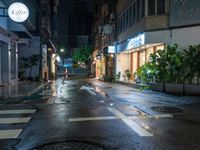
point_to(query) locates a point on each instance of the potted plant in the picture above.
(118, 75)
(175, 73)
(192, 71)
(128, 74)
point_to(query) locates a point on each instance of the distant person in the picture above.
(65, 75)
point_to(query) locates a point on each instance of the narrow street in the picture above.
(90, 114)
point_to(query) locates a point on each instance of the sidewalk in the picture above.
(19, 89)
(143, 99)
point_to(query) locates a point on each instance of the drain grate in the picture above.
(71, 145)
(166, 109)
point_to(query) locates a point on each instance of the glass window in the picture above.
(133, 14)
(13, 61)
(124, 22)
(151, 7)
(142, 58)
(160, 7)
(138, 10)
(118, 25)
(135, 61)
(142, 8)
(130, 16)
(121, 24)
(126, 19)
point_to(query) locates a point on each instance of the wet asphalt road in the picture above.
(70, 114)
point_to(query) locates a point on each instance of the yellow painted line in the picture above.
(10, 134)
(14, 120)
(19, 111)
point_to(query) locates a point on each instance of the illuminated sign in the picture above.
(18, 12)
(111, 49)
(136, 41)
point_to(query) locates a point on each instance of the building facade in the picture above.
(14, 37)
(103, 60)
(145, 26)
(48, 36)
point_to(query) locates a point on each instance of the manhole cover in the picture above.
(71, 145)
(166, 109)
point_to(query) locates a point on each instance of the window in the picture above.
(133, 13)
(123, 22)
(142, 8)
(126, 19)
(138, 10)
(151, 7)
(156, 7)
(160, 7)
(119, 25)
(130, 16)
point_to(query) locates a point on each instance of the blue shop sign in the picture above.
(136, 41)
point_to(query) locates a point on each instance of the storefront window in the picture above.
(161, 47)
(148, 53)
(13, 61)
(142, 58)
(135, 61)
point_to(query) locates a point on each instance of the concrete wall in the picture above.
(186, 36)
(184, 12)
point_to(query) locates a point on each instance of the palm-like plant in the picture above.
(29, 62)
(192, 63)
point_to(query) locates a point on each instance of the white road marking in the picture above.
(163, 116)
(14, 120)
(19, 111)
(10, 134)
(92, 118)
(134, 126)
(89, 89)
(126, 119)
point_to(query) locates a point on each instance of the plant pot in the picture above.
(192, 89)
(174, 88)
(156, 86)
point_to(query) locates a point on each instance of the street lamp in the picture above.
(62, 50)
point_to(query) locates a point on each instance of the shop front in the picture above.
(135, 52)
(8, 59)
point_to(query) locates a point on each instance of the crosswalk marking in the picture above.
(10, 134)
(14, 120)
(13, 133)
(20, 111)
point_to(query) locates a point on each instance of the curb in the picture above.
(36, 89)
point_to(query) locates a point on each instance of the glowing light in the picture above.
(58, 58)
